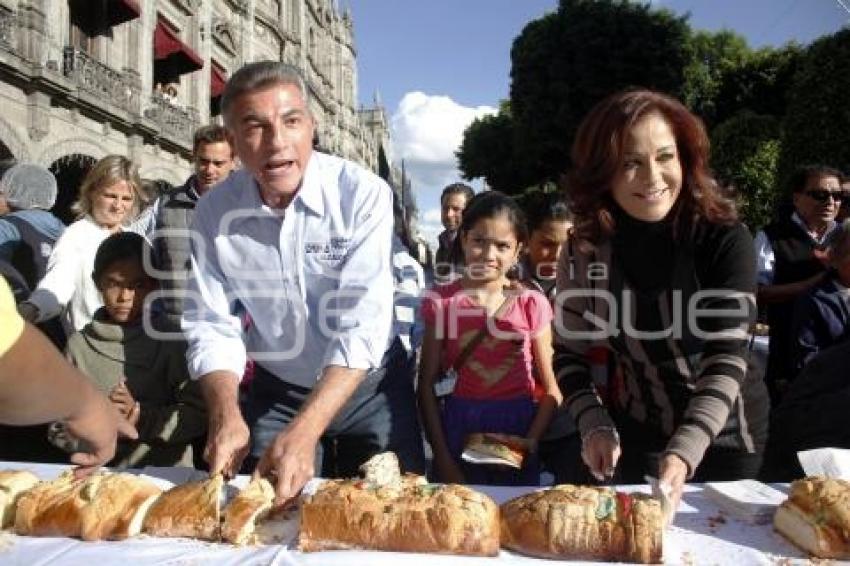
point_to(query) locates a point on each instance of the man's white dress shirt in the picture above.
(315, 279)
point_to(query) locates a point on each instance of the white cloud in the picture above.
(426, 130)
(430, 226)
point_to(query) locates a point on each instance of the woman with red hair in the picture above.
(662, 274)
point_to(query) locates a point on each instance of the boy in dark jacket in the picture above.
(144, 376)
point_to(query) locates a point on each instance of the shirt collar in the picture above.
(802, 224)
(310, 192)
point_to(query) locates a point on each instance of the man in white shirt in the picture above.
(300, 242)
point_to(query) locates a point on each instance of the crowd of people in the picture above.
(266, 318)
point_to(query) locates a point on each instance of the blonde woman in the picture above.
(109, 197)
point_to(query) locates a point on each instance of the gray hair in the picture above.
(28, 186)
(259, 75)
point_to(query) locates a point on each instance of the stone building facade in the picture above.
(80, 79)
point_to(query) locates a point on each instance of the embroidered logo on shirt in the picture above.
(335, 249)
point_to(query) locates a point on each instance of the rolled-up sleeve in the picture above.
(213, 331)
(363, 301)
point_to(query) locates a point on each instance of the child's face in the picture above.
(124, 286)
(544, 247)
(490, 248)
(451, 210)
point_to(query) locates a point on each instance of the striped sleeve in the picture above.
(724, 310)
(577, 328)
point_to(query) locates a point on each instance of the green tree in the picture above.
(817, 123)
(714, 57)
(760, 84)
(487, 151)
(745, 151)
(565, 62)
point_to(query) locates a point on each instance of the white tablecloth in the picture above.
(701, 534)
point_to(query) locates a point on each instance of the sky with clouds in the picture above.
(436, 65)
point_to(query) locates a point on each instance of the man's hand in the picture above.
(673, 471)
(228, 436)
(289, 460)
(600, 450)
(228, 440)
(97, 424)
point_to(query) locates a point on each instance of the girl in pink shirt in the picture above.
(497, 388)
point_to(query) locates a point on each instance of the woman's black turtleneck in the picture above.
(646, 251)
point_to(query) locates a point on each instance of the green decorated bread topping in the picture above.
(605, 507)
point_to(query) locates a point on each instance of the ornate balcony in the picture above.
(174, 121)
(100, 80)
(8, 30)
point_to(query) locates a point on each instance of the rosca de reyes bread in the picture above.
(584, 522)
(244, 511)
(816, 517)
(12, 484)
(191, 509)
(102, 506)
(115, 506)
(387, 511)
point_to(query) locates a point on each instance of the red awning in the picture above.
(171, 52)
(96, 17)
(217, 81)
(120, 11)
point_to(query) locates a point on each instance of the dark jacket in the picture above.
(174, 249)
(793, 250)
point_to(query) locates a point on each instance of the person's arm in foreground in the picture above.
(722, 318)
(216, 354)
(38, 385)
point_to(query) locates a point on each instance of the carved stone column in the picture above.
(32, 36)
(135, 147)
(38, 115)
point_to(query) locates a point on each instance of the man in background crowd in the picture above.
(791, 258)
(453, 200)
(213, 161)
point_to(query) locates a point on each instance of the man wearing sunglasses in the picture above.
(791, 256)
